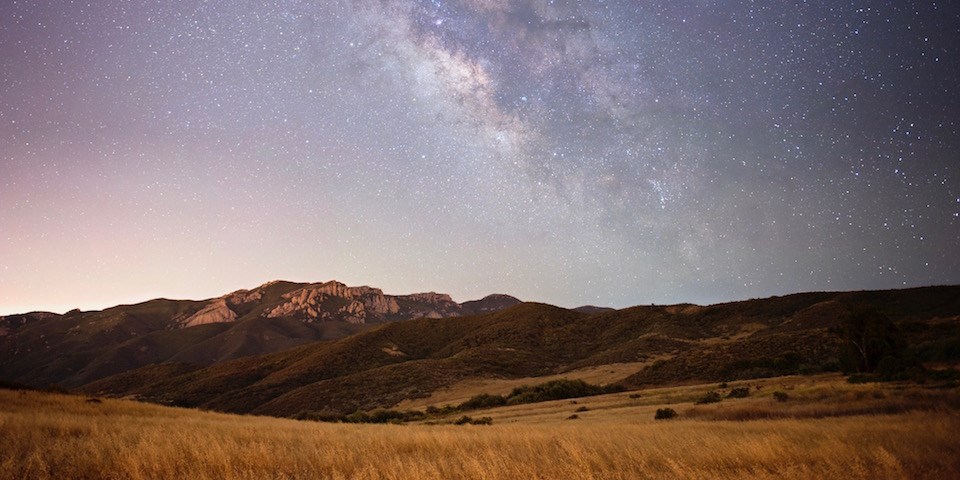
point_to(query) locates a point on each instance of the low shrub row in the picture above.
(544, 392)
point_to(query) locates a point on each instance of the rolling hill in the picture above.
(80, 347)
(674, 344)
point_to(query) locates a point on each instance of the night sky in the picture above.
(595, 152)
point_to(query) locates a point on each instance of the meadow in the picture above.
(827, 429)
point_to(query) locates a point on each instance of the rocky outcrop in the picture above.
(242, 297)
(216, 311)
(429, 305)
(336, 301)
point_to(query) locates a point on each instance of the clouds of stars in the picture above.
(611, 152)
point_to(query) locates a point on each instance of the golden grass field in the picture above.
(828, 429)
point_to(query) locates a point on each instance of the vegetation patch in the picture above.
(376, 416)
(739, 392)
(665, 414)
(544, 392)
(709, 397)
(465, 420)
(558, 390)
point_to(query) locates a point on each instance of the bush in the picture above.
(710, 397)
(781, 396)
(465, 420)
(558, 390)
(664, 414)
(439, 412)
(582, 409)
(484, 400)
(740, 392)
(573, 417)
(635, 395)
(724, 385)
(376, 416)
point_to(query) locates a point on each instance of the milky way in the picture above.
(602, 152)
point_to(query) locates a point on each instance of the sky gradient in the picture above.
(596, 152)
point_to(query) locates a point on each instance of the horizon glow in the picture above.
(609, 153)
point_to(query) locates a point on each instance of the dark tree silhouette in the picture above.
(870, 336)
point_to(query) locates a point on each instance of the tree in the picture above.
(870, 337)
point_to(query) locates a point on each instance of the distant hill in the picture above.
(670, 344)
(80, 347)
(488, 304)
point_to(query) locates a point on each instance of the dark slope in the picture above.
(80, 347)
(77, 346)
(410, 359)
(488, 304)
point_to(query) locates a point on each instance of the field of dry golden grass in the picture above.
(47, 436)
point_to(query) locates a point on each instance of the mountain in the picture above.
(675, 344)
(488, 304)
(76, 348)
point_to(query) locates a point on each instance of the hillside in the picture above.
(670, 345)
(80, 347)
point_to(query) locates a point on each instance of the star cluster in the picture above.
(606, 152)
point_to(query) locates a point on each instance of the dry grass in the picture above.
(47, 436)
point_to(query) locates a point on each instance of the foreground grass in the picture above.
(53, 436)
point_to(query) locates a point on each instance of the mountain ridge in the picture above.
(82, 346)
(672, 344)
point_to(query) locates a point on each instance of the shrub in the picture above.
(376, 416)
(741, 392)
(465, 420)
(558, 390)
(664, 414)
(441, 411)
(781, 396)
(356, 417)
(483, 421)
(385, 416)
(635, 395)
(573, 417)
(484, 400)
(582, 409)
(724, 385)
(710, 397)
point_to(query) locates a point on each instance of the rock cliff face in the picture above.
(336, 301)
(223, 309)
(216, 311)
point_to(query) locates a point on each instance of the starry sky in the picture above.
(573, 152)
